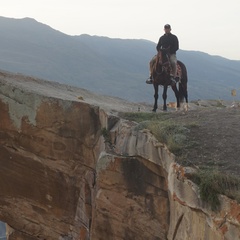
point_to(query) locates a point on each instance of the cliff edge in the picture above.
(62, 178)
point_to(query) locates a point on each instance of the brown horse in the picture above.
(160, 69)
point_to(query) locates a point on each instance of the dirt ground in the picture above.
(217, 134)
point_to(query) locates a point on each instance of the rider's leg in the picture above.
(173, 62)
(151, 65)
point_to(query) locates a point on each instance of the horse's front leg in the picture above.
(164, 96)
(174, 88)
(155, 106)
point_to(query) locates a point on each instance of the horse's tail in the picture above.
(183, 93)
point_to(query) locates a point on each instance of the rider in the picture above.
(170, 44)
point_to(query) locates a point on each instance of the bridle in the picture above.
(159, 62)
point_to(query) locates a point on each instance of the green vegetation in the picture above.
(220, 104)
(212, 183)
(107, 138)
(176, 136)
(173, 134)
(141, 116)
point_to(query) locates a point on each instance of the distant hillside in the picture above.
(117, 67)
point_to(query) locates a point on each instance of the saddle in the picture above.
(164, 59)
(179, 72)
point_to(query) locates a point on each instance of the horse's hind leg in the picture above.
(174, 88)
(183, 94)
(186, 98)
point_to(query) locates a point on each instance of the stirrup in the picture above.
(149, 81)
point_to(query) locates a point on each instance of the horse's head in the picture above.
(162, 64)
(163, 56)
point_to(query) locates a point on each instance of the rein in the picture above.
(159, 61)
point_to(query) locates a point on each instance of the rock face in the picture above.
(49, 148)
(60, 178)
(132, 200)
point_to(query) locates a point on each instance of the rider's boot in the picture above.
(149, 80)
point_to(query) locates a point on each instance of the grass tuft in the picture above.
(176, 136)
(173, 134)
(141, 117)
(212, 183)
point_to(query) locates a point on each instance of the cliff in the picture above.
(61, 178)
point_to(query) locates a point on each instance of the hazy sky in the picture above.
(210, 26)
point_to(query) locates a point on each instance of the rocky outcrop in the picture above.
(189, 217)
(61, 179)
(49, 149)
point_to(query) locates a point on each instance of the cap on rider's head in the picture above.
(167, 26)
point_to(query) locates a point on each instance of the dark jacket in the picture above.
(168, 41)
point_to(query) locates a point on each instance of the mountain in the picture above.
(116, 67)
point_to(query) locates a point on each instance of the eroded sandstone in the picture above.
(49, 148)
(60, 179)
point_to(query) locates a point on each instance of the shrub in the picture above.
(212, 183)
(173, 134)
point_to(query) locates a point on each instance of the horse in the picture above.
(160, 68)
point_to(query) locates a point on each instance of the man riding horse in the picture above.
(166, 71)
(168, 44)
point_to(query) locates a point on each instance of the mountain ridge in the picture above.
(109, 66)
